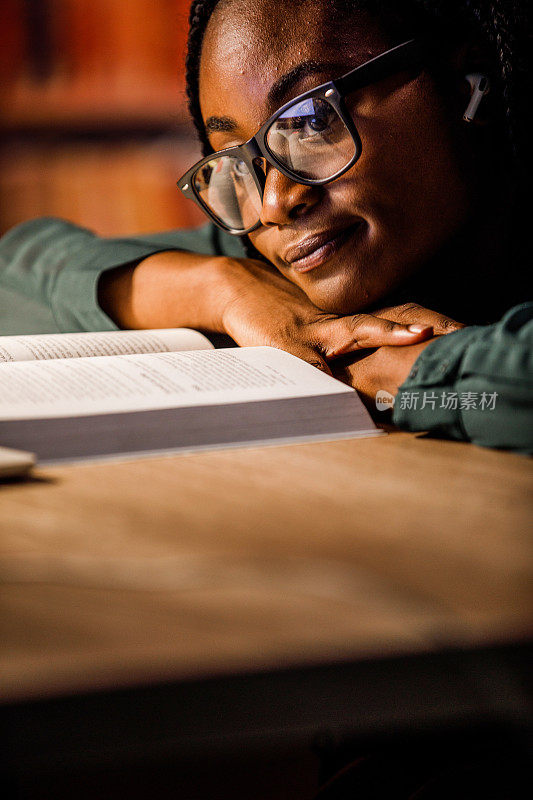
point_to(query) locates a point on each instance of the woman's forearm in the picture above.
(170, 289)
(53, 273)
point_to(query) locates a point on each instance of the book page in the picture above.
(38, 347)
(78, 387)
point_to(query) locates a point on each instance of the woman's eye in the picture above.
(318, 124)
(240, 168)
(314, 128)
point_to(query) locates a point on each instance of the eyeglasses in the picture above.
(312, 139)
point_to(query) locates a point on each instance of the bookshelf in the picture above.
(93, 120)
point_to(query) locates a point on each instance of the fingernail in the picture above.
(418, 328)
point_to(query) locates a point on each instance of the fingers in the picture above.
(446, 325)
(366, 331)
(412, 313)
(315, 359)
(307, 353)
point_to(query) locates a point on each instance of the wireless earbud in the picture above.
(479, 86)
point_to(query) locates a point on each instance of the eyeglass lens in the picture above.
(227, 188)
(311, 140)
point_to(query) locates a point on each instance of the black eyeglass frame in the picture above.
(406, 55)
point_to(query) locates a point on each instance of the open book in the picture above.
(85, 395)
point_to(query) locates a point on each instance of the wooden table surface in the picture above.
(115, 574)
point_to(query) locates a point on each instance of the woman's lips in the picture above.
(320, 253)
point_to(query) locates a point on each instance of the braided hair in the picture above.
(199, 15)
(501, 26)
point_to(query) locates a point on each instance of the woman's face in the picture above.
(350, 242)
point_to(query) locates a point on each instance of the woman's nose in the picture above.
(284, 200)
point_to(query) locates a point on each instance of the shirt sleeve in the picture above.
(50, 268)
(475, 385)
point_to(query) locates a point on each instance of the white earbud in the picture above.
(479, 86)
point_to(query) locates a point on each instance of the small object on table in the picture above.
(15, 463)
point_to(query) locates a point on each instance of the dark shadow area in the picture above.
(28, 480)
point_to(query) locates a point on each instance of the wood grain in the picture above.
(116, 573)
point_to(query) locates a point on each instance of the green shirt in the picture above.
(475, 384)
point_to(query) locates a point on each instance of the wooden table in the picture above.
(337, 586)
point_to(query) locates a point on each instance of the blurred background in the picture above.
(93, 124)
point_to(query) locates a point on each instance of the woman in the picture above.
(389, 199)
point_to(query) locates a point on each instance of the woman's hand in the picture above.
(385, 368)
(388, 367)
(264, 308)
